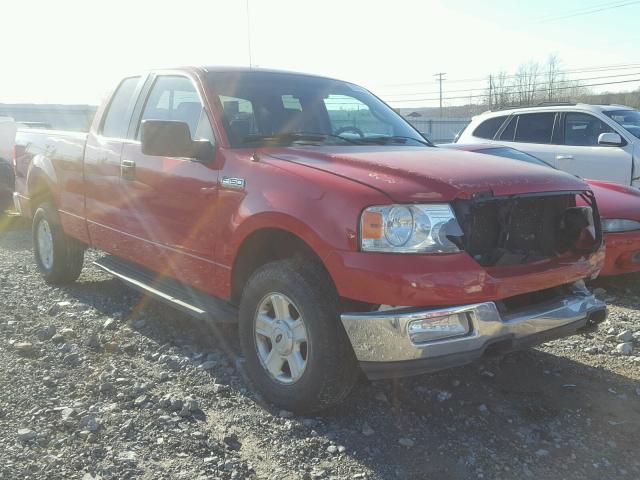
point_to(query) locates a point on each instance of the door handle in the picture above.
(564, 157)
(128, 169)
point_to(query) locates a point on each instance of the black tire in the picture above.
(331, 369)
(67, 253)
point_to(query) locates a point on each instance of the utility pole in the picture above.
(440, 80)
(490, 89)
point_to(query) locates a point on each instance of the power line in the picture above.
(541, 90)
(624, 66)
(493, 82)
(578, 10)
(589, 11)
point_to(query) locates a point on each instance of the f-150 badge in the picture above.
(233, 182)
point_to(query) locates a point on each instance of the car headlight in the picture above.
(612, 225)
(409, 229)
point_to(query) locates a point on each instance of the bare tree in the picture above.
(503, 90)
(500, 90)
(526, 82)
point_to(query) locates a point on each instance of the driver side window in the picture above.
(582, 129)
(350, 115)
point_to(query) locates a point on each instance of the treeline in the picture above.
(630, 99)
(533, 83)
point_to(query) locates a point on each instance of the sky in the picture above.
(67, 51)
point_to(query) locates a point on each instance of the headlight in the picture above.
(612, 225)
(409, 229)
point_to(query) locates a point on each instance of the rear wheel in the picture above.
(297, 353)
(59, 257)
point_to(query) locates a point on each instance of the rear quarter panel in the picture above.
(50, 163)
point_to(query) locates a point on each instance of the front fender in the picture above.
(280, 221)
(321, 209)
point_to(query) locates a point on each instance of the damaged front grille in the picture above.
(527, 228)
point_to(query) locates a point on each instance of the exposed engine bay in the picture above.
(527, 228)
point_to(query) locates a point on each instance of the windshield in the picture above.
(514, 154)
(263, 108)
(629, 119)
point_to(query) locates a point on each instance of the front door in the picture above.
(581, 154)
(170, 211)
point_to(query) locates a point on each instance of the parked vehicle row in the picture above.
(601, 142)
(252, 196)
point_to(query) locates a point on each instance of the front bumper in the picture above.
(622, 253)
(383, 347)
(444, 279)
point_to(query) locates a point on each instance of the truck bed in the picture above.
(50, 163)
(66, 146)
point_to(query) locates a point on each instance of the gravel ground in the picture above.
(99, 382)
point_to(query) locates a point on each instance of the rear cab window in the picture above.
(239, 116)
(118, 115)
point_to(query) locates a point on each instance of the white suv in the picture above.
(599, 142)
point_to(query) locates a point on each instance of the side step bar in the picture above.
(189, 300)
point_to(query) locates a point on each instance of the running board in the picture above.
(194, 302)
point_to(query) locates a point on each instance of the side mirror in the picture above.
(167, 138)
(610, 139)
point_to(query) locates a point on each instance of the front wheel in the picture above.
(297, 353)
(58, 256)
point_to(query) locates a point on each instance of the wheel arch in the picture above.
(264, 245)
(41, 181)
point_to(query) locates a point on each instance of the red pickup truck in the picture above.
(309, 212)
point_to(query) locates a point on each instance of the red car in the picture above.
(619, 208)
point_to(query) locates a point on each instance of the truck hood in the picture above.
(414, 174)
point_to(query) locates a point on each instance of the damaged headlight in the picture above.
(409, 229)
(612, 225)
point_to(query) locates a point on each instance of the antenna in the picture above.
(249, 34)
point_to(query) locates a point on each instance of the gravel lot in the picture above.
(99, 382)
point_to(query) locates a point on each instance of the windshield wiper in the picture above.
(385, 140)
(297, 137)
